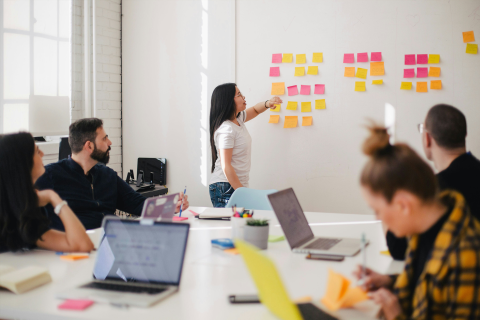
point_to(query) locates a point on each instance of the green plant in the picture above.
(257, 223)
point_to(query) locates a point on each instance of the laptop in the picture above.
(299, 234)
(138, 263)
(271, 290)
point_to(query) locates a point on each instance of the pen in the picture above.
(364, 256)
(181, 205)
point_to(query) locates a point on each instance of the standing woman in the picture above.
(230, 141)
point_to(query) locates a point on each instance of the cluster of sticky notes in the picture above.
(422, 72)
(305, 89)
(339, 294)
(421, 59)
(377, 68)
(317, 57)
(422, 86)
(362, 57)
(469, 36)
(305, 106)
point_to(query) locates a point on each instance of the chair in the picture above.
(251, 199)
(64, 149)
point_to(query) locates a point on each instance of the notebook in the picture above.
(22, 280)
(216, 214)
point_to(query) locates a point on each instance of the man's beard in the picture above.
(100, 156)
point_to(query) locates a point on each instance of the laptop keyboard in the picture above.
(123, 288)
(323, 243)
(311, 312)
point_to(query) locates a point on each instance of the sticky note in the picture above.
(376, 56)
(274, 71)
(434, 72)
(277, 108)
(305, 90)
(362, 57)
(74, 257)
(468, 36)
(422, 87)
(306, 106)
(349, 72)
(377, 68)
(436, 84)
(299, 71)
(472, 48)
(292, 90)
(278, 88)
(232, 251)
(406, 86)
(409, 59)
(274, 118)
(75, 304)
(277, 58)
(339, 294)
(422, 72)
(319, 89)
(292, 105)
(272, 238)
(312, 70)
(301, 58)
(348, 58)
(307, 121)
(377, 81)
(433, 58)
(175, 218)
(320, 104)
(422, 58)
(317, 57)
(385, 253)
(287, 57)
(359, 85)
(290, 122)
(409, 73)
(361, 73)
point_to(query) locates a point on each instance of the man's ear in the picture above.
(89, 146)
(428, 140)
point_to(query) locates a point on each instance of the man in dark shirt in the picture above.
(443, 136)
(91, 189)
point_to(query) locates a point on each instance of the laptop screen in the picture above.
(134, 252)
(291, 217)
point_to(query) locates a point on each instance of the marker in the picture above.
(184, 193)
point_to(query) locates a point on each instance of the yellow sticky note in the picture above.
(306, 106)
(301, 58)
(287, 57)
(385, 253)
(360, 86)
(320, 104)
(406, 86)
(434, 72)
(277, 108)
(468, 36)
(422, 87)
(353, 296)
(312, 70)
(317, 57)
(307, 121)
(361, 73)
(377, 68)
(278, 88)
(349, 72)
(299, 71)
(433, 58)
(274, 118)
(472, 48)
(377, 81)
(290, 122)
(436, 84)
(292, 105)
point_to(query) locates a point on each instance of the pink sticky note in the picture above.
(194, 213)
(175, 218)
(376, 56)
(319, 89)
(75, 304)
(422, 72)
(292, 90)
(422, 58)
(362, 57)
(409, 59)
(348, 58)
(305, 90)
(409, 73)
(277, 58)
(274, 71)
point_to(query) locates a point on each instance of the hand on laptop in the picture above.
(373, 280)
(183, 200)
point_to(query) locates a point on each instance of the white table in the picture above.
(209, 275)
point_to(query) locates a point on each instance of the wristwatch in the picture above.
(266, 104)
(59, 207)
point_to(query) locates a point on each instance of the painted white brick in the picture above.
(112, 123)
(98, 12)
(111, 33)
(116, 141)
(115, 78)
(115, 43)
(114, 132)
(115, 96)
(116, 87)
(103, 76)
(115, 24)
(110, 68)
(103, 22)
(113, 105)
(105, 4)
(115, 150)
(115, 60)
(112, 51)
(116, 167)
(111, 15)
(103, 40)
(114, 7)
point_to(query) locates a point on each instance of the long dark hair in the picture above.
(223, 108)
(20, 216)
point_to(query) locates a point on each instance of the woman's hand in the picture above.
(183, 200)
(390, 305)
(373, 280)
(47, 196)
(272, 102)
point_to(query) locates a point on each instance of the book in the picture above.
(216, 213)
(23, 280)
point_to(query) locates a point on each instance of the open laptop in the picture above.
(299, 234)
(271, 291)
(138, 263)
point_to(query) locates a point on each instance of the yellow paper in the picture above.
(349, 72)
(406, 86)
(377, 81)
(385, 253)
(301, 58)
(468, 36)
(472, 48)
(353, 296)
(377, 68)
(306, 106)
(361, 73)
(433, 58)
(307, 121)
(434, 72)
(312, 70)
(317, 57)
(277, 108)
(422, 87)
(290, 122)
(299, 71)
(278, 88)
(292, 105)
(287, 57)
(320, 104)
(274, 118)
(339, 294)
(436, 84)
(359, 85)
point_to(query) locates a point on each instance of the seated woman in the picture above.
(23, 224)
(441, 279)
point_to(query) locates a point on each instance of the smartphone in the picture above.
(329, 257)
(243, 298)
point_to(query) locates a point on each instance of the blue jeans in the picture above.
(220, 193)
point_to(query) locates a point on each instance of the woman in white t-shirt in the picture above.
(230, 141)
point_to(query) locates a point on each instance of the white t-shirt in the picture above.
(231, 136)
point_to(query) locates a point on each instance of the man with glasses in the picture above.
(443, 136)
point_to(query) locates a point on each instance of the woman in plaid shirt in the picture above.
(441, 279)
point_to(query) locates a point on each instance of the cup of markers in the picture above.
(239, 220)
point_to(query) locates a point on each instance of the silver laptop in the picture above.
(138, 263)
(299, 234)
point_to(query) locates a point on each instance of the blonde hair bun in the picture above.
(378, 140)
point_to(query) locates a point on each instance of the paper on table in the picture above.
(276, 109)
(361, 73)
(278, 88)
(290, 122)
(306, 106)
(339, 294)
(287, 57)
(422, 58)
(292, 105)
(299, 71)
(349, 72)
(433, 58)
(422, 86)
(320, 104)
(292, 90)
(377, 81)
(274, 71)
(409, 73)
(406, 86)
(468, 36)
(272, 238)
(312, 70)
(317, 57)
(376, 56)
(436, 84)
(377, 68)
(348, 58)
(75, 304)
(422, 72)
(307, 121)
(362, 57)
(277, 58)
(274, 118)
(434, 72)
(105, 260)
(305, 90)
(301, 58)
(359, 85)
(472, 48)
(409, 59)
(319, 89)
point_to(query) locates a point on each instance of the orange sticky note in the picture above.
(349, 72)
(278, 88)
(274, 119)
(339, 294)
(436, 84)
(377, 68)
(74, 257)
(307, 121)
(320, 104)
(290, 122)
(468, 36)
(277, 108)
(434, 72)
(406, 86)
(233, 251)
(422, 86)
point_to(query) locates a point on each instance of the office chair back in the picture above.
(251, 199)
(64, 149)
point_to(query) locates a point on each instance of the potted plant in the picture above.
(256, 233)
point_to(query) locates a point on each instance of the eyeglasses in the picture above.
(421, 128)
